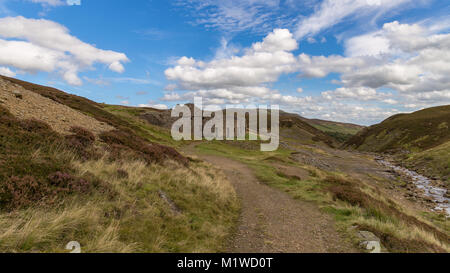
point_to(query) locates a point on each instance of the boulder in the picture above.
(369, 241)
(17, 94)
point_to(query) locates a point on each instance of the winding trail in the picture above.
(272, 222)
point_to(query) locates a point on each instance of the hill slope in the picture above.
(72, 170)
(418, 131)
(293, 127)
(120, 186)
(340, 131)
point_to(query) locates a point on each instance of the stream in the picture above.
(423, 183)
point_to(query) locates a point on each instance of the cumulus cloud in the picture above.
(412, 60)
(5, 71)
(407, 66)
(358, 93)
(41, 45)
(239, 77)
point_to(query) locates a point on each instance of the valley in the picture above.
(114, 179)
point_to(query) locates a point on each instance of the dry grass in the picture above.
(43, 230)
(399, 229)
(137, 219)
(114, 193)
(206, 204)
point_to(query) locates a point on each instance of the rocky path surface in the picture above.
(271, 221)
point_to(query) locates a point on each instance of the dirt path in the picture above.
(271, 221)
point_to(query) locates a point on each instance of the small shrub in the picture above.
(85, 136)
(17, 192)
(81, 141)
(66, 183)
(34, 125)
(122, 173)
(150, 152)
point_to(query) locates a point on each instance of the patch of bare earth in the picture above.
(271, 221)
(25, 104)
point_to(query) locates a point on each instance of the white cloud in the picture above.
(49, 2)
(418, 61)
(155, 106)
(242, 75)
(134, 80)
(259, 16)
(409, 58)
(5, 71)
(42, 45)
(54, 3)
(311, 40)
(358, 93)
(321, 66)
(73, 2)
(332, 12)
(407, 66)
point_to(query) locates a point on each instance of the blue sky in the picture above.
(347, 60)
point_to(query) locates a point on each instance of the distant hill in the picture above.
(418, 131)
(297, 128)
(338, 130)
(292, 126)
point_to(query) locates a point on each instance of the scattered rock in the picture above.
(25, 104)
(169, 201)
(368, 236)
(369, 241)
(17, 94)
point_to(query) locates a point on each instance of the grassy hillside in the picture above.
(418, 131)
(116, 191)
(338, 130)
(434, 162)
(295, 129)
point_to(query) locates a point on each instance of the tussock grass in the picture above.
(137, 219)
(206, 204)
(39, 229)
(399, 229)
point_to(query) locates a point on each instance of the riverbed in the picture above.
(437, 194)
